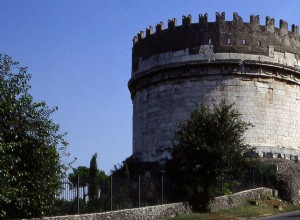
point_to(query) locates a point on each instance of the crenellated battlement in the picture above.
(172, 24)
(255, 66)
(234, 36)
(254, 19)
(220, 18)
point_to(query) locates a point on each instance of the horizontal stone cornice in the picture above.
(170, 59)
(245, 65)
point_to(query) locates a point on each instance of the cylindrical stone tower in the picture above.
(255, 66)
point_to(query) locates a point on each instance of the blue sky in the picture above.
(79, 55)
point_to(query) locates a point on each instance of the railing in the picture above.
(114, 194)
(122, 193)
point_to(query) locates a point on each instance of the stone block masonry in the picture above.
(289, 182)
(240, 199)
(255, 66)
(145, 213)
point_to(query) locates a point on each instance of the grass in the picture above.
(265, 207)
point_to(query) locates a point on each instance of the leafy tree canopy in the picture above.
(89, 178)
(31, 147)
(209, 145)
(82, 172)
(84, 176)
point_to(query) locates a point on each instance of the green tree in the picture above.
(89, 179)
(81, 175)
(209, 147)
(31, 147)
(93, 190)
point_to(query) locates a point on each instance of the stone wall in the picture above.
(171, 210)
(145, 213)
(176, 68)
(240, 199)
(271, 104)
(233, 36)
(289, 181)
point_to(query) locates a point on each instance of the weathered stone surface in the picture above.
(270, 104)
(165, 59)
(145, 213)
(225, 36)
(177, 69)
(239, 199)
(288, 172)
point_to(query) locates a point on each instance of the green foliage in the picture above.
(83, 173)
(80, 175)
(90, 178)
(126, 182)
(268, 173)
(30, 160)
(93, 190)
(209, 146)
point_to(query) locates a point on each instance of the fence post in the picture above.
(162, 188)
(244, 179)
(78, 194)
(139, 191)
(111, 204)
(222, 183)
(253, 178)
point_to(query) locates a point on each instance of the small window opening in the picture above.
(259, 43)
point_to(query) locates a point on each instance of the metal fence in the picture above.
(121, 193)
(114, 194)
